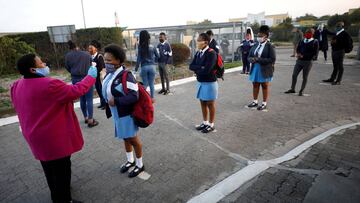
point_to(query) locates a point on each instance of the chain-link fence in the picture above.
(228, 36)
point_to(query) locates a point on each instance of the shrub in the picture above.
(11, 49)
(180, 53)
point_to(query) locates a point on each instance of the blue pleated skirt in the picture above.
(207, 91)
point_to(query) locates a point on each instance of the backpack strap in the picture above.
(124, 80)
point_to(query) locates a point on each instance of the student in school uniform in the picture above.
(213, 43)
(120, 106)
(262, 58)
(306, 52)
(207, 86)
(245, 48)
(96, 57)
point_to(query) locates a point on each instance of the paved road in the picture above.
(182, 162)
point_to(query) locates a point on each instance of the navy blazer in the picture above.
(266, 60)
(214, 45)
(124, 102)
(203, 66)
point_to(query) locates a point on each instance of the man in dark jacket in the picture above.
(100, 65)
(164, 60)
(339, 43)
(77, 62)
(306, 52)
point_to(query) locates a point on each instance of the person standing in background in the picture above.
(94, 47)
(165, 53)
(77, 62)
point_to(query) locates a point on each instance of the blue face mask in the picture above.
(338, 29)
(43, 71)
(110, 68)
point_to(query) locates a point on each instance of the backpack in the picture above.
(219, 66)
(349, 44)
(143, 112)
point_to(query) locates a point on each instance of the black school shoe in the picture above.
(201, 127)
(290, 91)
(75, 201)
(328, 80)
(336, 83)
(166, 92)
(262, 107)
(136, 171)
(252, 105)
(161, 91)
(126, 166)
(208, 129)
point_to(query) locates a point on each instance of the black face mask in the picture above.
(161, 40)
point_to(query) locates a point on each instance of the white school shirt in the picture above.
(261, 48)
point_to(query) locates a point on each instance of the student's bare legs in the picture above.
(212, 110)
(256, 89)
(204, 110)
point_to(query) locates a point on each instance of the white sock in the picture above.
(206, 122)
(255, 101)
(212, 124)
(264, 103)
(139, 162)
(130, 156)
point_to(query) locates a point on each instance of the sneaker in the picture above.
(262, 107)
(166, 92)
(136, 171)
(290, 91)
(301, 94)
(328, 80)
(124, 168)
(161, 91)
(252, 105)
(208, 129)
(336, 83)
(101, 107)
(201, 127)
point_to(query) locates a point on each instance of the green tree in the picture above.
(11, 49)
(307, 16)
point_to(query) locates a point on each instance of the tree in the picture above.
(205, 22)
(307, 16)
(337, 18)
(11, 49)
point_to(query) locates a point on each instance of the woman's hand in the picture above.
(112, 102)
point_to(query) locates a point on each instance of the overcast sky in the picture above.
(36, 15)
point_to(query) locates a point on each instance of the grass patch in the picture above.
(232, 64)
(2, 90)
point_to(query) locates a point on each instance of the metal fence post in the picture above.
(233, 44)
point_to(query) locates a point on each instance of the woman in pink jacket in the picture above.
(48, 122)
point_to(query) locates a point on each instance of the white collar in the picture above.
(340, 31)
(94, 55)
(308, 40)
(211, 40)
(121, 68)
(163, 43)
(206, 48)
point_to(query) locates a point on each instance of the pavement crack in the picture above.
(235, 156)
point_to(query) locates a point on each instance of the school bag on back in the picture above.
(219, 66)
(143, 112)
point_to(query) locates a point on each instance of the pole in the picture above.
(233, 43)
(82, 6)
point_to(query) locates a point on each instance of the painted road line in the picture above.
(233, 182)
(14, 119)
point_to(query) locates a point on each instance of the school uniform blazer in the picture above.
(203, 66)
(124, 102)
(266, 60)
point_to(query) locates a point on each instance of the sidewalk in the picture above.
(182, 162)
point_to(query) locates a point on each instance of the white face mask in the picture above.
(261, 39)
(43, 71)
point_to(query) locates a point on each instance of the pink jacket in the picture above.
(46, 115)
